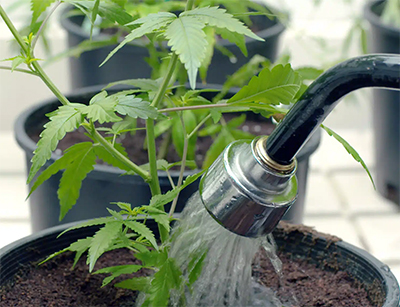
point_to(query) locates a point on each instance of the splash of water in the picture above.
(226, 277)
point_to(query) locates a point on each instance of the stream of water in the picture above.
(226, 278)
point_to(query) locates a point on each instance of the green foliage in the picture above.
(350, 150)
(275, 86)
(63, 120)
(38, 7)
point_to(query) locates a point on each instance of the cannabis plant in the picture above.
(155, 101)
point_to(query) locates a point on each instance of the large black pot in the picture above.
(386, 107)
(104, 183)
(372, 274)
(130, 63)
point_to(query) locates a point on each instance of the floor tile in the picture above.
(321, 198)
(13, 192)
(382, 235)
(359, 195)
(337, 226)
(12, 159)
(14, 230)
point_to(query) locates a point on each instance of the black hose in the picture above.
(378, 70)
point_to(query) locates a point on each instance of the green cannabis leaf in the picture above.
(63, 120)
(82, 159)
(38, 7)
(275, 86)
(101, 108)
(217, 17)
(163, 199)
(117, 271)
(108, 10)
(148, 24)
(167, 278)
(102, 240)
(350, 150)
(135, 107)
(187, 39)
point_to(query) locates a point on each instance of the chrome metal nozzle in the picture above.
(246, 193)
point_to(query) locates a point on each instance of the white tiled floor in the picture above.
(340, 198)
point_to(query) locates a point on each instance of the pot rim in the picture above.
(375, 19)
(391, 292)
(72, 27)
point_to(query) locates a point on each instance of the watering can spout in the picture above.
(249, 187)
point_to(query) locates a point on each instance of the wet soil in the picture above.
(55, 284)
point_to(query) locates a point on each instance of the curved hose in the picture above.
(379, 70)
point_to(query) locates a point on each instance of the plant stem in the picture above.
(43, 25)
(163, 88)
(183, 166)
(26, 71)
(203, 106)
(153, 182)
(189, 5)
(116, 154)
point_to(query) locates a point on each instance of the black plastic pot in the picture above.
(372, 274)
(104, 183)
(130, 63)
(386, 107)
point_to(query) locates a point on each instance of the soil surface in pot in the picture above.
(55, 284)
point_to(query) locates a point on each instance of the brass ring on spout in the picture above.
(260, 150)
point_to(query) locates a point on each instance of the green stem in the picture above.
(164, 85)
(189, 5)
(26, 71)
(116, 154)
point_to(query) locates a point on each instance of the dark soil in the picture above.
(55, 284)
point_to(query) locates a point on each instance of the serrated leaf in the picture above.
(82, 161)
(241, 135)
(107, 157)
(63, 120)
(218, 145)
(152, 258)
(350, 150)
(16, 62)
(143, 84)
(102, 239)
(210, 37)
(167, 278)
(275, 86)
(195, 267)
(101, 108)
(136, 284)
(161, 165)
(142, 230)
(117, 271)
(235, 38)
(94, 16)
(237, 121)
(93, 222)
(149, 24)
(160, 216)
(218, 17)
(187, 39)
(162, 126)
(108, 10)
(38, 7)
(80, 246)
(162, 199)
(135, 107)
(309, 73)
